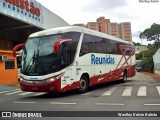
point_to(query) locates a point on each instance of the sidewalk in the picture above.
(10, 86)
(151, 74)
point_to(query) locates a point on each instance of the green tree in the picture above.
(147, 53)
(147, 61)
(136, 44)
(150, 46)
(152, 34)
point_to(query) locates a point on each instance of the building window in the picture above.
(9, 6)
(9, 64)
(4, 4)
(13, 8)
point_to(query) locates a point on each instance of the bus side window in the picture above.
(108, 46)
(114, 46)
(99, 45)
(65, 54)
(118, 49)
(87, 45)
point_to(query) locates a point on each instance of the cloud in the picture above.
(135, 34)
(104, 5)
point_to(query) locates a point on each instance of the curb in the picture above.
(151, 74)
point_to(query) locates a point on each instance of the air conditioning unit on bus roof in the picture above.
(3, 58)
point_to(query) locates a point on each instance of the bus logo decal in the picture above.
(102, 60)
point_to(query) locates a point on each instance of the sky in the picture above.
(141, 14)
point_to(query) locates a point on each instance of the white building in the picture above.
(156, 60)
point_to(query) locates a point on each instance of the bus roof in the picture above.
(75, 29)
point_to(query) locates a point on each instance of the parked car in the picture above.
(138, 65)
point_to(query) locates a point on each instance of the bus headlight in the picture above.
(50, 80)
(54, 78)
(21, 79)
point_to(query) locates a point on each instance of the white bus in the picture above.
(67, 58)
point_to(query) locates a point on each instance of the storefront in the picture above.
(20, 18)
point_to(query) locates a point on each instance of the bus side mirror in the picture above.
(16, 47)
(57, 44)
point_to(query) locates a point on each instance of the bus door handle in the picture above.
(78, 68)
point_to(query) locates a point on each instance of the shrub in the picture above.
(147, 64)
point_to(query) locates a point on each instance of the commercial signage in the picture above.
(24, 4)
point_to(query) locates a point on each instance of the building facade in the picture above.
(93, 26)
(113, 29)
(125, 31)
(19, 19)
(120, 30)
(103, 24)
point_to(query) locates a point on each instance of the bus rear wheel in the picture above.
(83, 84)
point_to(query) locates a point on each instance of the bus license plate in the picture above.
(34, 88)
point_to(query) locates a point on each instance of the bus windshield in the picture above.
(38, 56)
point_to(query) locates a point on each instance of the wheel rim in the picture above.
(82, 84)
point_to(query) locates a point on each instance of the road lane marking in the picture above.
(88, 93)
(127, 91)
(42, 93)
(60, 103)
(118, 104)
(25, 93)
(158, 89)
(110, 91)
(9, 91)
(23, 102)
(13, 92)
(142, 91)
(152, 104)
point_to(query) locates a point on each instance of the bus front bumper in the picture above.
(39, 86)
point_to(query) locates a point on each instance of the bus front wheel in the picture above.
(83, 84)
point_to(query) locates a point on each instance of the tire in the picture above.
(83, 85)
(124, 79)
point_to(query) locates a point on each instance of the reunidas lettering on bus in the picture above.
(102, 60)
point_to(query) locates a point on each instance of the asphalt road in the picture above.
(140, 93)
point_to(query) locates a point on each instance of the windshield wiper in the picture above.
(35, 59)
(31, 60)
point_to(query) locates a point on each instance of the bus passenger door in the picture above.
(68, 50)
(65, 60)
